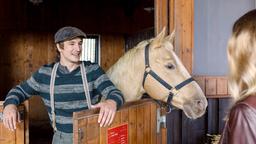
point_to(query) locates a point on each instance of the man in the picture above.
(65, 87)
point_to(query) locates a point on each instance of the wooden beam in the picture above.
(161, 15)
(184, 24)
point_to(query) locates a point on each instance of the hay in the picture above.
(214, 138)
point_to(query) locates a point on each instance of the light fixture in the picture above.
(149, 9)
(36, 2)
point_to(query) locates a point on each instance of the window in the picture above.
(90, 49)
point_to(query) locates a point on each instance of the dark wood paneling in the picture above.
(132, 40)
(224, 106)
(93, 16)
(112, 48)
(174, 127)
(212, 115)
(193, 131)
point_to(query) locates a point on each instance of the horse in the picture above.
(152, 67)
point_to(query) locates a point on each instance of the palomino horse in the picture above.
(153, 67)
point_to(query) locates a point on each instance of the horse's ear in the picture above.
(160, 36)
(171, 37)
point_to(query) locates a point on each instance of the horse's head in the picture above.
(167, 79)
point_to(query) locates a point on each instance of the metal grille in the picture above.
(90, 49)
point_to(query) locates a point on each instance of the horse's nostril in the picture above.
(199, 104)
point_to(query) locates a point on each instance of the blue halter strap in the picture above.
(173, 90)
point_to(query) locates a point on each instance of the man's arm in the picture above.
(114, 98)
(11, 116)
(16, 96)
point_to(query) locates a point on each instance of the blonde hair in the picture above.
(242, 57)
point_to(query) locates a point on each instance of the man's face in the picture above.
(70, 53)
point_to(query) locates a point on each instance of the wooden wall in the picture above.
(93, 16)
(112, 48)
(178, 15)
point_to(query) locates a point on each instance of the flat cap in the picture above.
(68, 33)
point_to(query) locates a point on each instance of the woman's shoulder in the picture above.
(250, 101)
(245, 107)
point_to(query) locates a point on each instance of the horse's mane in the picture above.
(130, 57)
(126, 69)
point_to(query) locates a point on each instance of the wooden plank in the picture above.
(132, 125)
(184, 24)
(6, 136)
(140, 124)
(201, 82)
(20, 137)
(163, 135)
(147, 123)
(161, 15)
(224, 107)
(112, 48)
(174, 127)
(92, 130)
(222, 86)
(171, 16)
(103, 135)
(193, 131)
(125, 116)
(12, 137)
(153, 135)
(20, 131)
(212, 114)
(79, 131)
(26, 123)
(211, 86)
(75, 129)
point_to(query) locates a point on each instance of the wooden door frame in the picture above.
(178, 15)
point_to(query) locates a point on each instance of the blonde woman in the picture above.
(241, 124)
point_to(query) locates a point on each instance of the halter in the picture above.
(173, 90)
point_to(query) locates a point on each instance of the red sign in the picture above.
(118, 135)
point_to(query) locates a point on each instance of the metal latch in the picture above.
(160, 119)
(80, 135)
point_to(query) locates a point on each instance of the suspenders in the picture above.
(85, 86)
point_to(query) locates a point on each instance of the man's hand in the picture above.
(107, 112)
(11, 116)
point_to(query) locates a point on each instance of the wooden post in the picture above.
(184, 28)
(161, 15)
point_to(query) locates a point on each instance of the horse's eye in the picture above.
(170, 66)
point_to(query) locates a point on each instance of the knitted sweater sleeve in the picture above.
(23, 91)
(106, 88)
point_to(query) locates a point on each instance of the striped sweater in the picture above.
(69, 94)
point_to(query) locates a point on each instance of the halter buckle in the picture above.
(174, 91)
(147, 69)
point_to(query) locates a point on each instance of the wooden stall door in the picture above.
(134, 123)
(12, 137)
